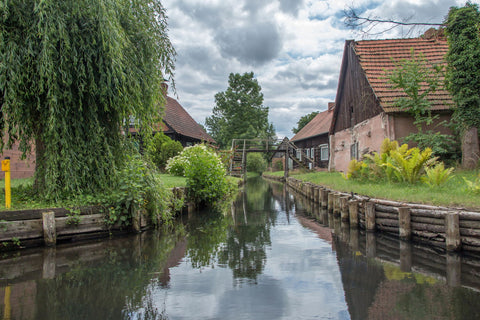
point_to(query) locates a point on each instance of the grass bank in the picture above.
(454, 193)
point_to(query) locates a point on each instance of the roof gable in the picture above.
(177, 118)
(377, 57)
(317, 126)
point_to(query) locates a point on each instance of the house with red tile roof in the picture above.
(365, 112)
(180, 126)
(313, 138)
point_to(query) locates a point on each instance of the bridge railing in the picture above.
(256, 144)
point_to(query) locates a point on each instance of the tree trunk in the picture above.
(470, 149)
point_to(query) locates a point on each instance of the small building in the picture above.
(312, 140)
(365, 113)
(180, 126)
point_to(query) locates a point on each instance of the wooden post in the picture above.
(370, 216)
(136, 220)
(49, 228)
(344, 208)
(330, 201)
(324, 198)
(316, 194)
(452, 231)
(404, 223)
(353, 213)
(336, 204)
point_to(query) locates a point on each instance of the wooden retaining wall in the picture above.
(452, 229)
(27, 228)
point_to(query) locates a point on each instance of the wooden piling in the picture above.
(344, 210)
(316, 195)
(370, 216)
(452, 231)
(404, 223)
(336, 204)
(353, 213)
(330, 201)
(324, 198)
(49, 228)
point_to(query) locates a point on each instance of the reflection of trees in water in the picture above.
(237, 240)
(118, 287)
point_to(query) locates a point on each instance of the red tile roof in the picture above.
(178, 119)
(378, 56)
(317, 126)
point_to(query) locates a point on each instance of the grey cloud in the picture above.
(211, 16)
(253, 44)
(291, 6)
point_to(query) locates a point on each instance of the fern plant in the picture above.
(437, 175)
(473, 186)
(409, 166)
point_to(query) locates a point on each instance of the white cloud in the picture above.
(294, 48)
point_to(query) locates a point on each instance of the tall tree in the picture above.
(71, 72)
(239, 113)
(302, 122)
(463, 76)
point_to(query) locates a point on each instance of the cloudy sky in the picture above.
(294, 48)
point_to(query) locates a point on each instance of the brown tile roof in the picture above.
(317, 126)
(378, 56)
(178, 119)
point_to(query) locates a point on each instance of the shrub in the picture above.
(473, 186)
(205, 173)
(256, 163)
(160, 148)
(139, 188)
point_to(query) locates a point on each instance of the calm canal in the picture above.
(265, 258)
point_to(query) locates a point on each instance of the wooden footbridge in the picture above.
(279, 147)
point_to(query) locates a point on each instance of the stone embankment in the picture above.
(452, 229)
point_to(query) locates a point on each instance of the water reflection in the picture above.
(273, 255)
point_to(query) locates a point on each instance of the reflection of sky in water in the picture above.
(301, 280)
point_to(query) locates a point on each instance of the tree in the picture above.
(239, 113)
(71, 72)
(302, 122)
(463, 76)
(160, 148)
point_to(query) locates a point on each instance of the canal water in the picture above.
(272, 255)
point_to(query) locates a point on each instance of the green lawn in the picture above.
(453, 193)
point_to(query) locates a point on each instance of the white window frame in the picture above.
(354, 151)
(323, 147)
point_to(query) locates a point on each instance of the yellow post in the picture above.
(8, 194)
(7, 311)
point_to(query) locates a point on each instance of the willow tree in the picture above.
(71, 72)
(463, 76)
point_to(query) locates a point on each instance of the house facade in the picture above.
(365, 112)
(312, 140)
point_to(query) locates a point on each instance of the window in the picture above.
(354, 151)
(299, 154)
(308, 152)
(324, 152)
(312, 154)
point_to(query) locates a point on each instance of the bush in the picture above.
(160, 148)
(256, 163)
(205, 173)
(437, 175)
(139, 189)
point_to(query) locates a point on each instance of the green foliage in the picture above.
(73, 216)
(418, 78)
(138, 189)
(71, 72)
(302, 122)
(256, 162)
(205, 173)
(463, 70)
(160, 148)
(278, 166)
(473, 185)
(239, 113)
(437, 175)
(394, 163)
